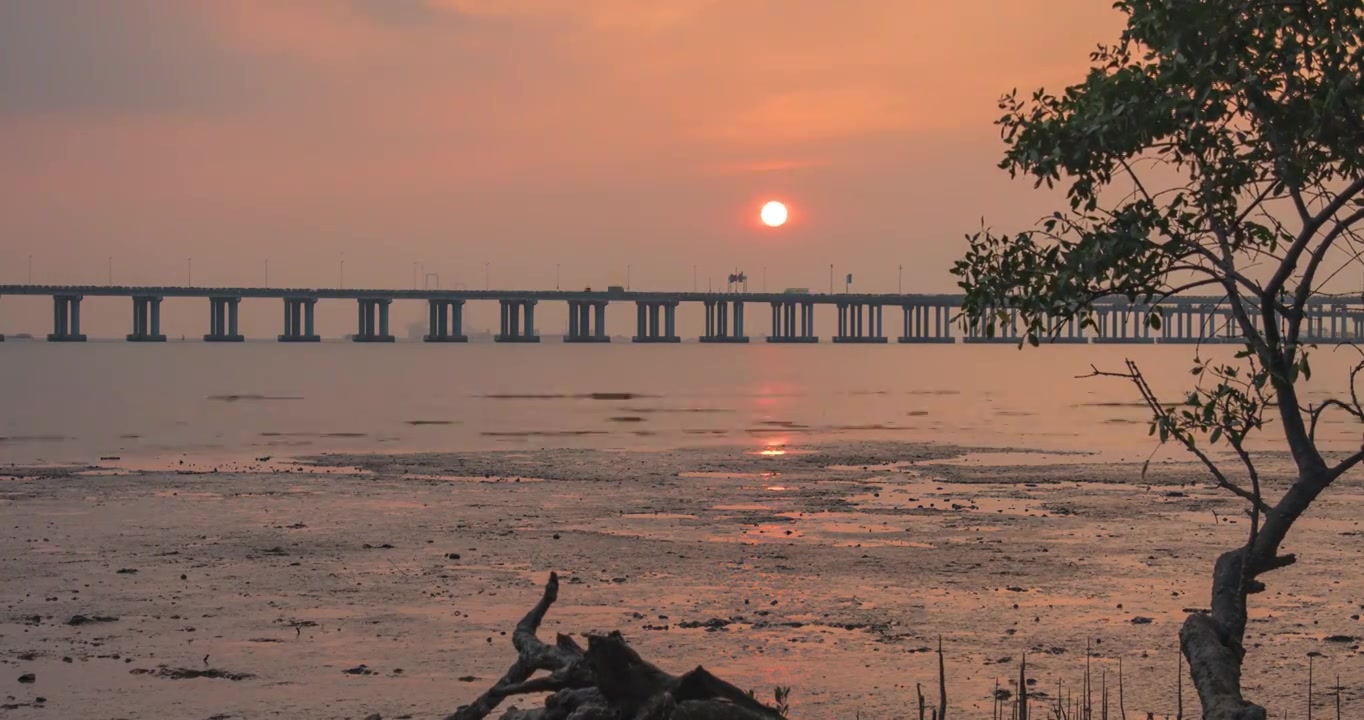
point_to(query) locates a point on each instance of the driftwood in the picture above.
(607, 681)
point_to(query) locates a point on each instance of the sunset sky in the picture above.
(591, 134)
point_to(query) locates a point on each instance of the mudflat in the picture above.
(345, 586)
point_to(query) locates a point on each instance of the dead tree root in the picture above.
(607, 681)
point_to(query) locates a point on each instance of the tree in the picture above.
(1216, 148)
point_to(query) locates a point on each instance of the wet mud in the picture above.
(343, 586)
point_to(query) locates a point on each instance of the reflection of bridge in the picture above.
(926, 318)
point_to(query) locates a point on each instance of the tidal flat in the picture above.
(341, 586)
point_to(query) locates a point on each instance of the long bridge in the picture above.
(927, 318)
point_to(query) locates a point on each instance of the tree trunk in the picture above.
(1212, 643)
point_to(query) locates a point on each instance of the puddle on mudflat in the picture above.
(542, 433)
(729, 475)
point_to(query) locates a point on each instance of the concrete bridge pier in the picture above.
(1178, 326)
(1228, 330)
(859, 323)
(656, 322)
(1006, 330)
(793, 322)
(298, 320)
(518, 322)
(66, 319)
(1340, 326)
(1124, 324)
(1355, 322)
(927, 324)
(373, 320)
(446, 321)
(1063, 332)
(1207, 323)
(1324, 323)
(222, 320)
(586, 322)
(146, 319)
(1308, 331)
(718, 322)
(1111, 327)
(1332, 317)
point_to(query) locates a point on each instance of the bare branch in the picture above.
(1344, 465)
(1162, 415)
(1310, 227)
(1315, 413)
(1305, 286)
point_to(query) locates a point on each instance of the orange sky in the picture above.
(521, 133)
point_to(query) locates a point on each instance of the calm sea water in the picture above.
(78, 402)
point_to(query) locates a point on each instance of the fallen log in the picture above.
(607, 681)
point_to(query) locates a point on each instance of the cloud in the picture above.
(613, 15)
(72, 57)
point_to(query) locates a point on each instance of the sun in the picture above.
(773, 214)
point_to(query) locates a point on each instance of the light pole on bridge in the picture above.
(900, 279)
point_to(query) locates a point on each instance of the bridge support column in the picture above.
(445, 322)
(1176, 325)
(1312, 324)
(718, 326)
(1123, 324)
(66, 319)
(599, 309)
(518, 322)
(1059, 331)
(792, 322)
(222, 320)
(656, 321)
(924, 324)
(146, 319)
(298, 320)
(976, 332)
(859, 323)
(373, 320)
(582, 314)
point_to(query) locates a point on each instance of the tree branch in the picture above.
(1305, 286)
(1315, 413)
(1344, 465)
(1309, 230)
(1134, 375)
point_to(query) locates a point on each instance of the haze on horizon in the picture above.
(524, 134)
